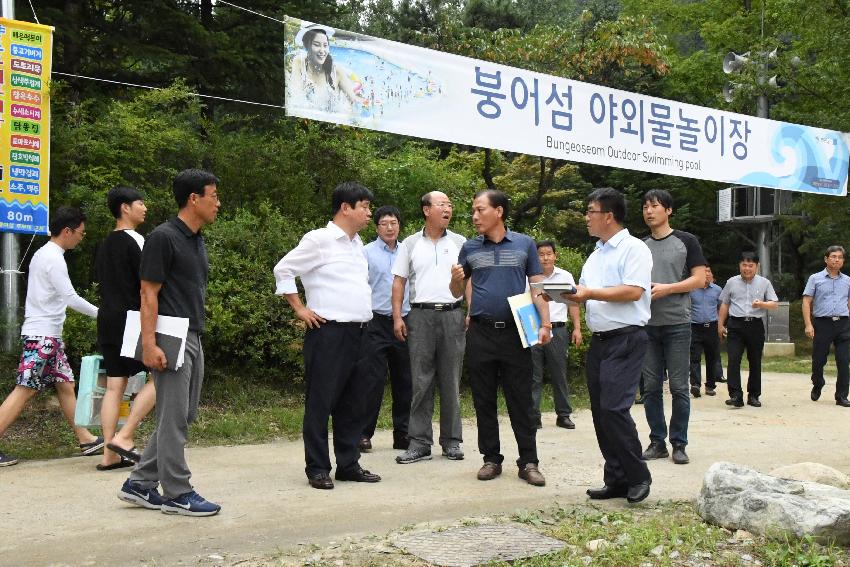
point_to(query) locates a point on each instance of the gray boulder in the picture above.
(813, 472)
(737, 497)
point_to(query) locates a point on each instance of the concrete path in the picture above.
(63, 512)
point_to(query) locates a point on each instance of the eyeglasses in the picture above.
(442, 205)
(388, 224)
(82, 233)
(590, 212)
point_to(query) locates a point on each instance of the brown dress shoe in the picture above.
(489, 471)
(365, 445)
(532, 475)
(322, 481)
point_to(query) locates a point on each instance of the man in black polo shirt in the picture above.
(500, 263)
(174, 270)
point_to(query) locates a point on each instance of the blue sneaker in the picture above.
(189, 504)
(145, 497)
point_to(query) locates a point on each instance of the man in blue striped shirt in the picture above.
(825, 310)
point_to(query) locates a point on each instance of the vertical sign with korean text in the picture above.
(25, 58)
(348, 78)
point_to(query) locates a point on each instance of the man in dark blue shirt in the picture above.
(500, 263)
(174, 270)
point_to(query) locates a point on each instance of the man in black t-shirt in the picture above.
(174, 270)
(117, 274)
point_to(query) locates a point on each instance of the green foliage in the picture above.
(247, 324)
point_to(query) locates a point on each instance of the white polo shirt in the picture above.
(427, 266)
(623, 260)
(334, 271)
(558, 311)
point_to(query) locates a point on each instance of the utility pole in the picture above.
(763, 228)
(11, 253)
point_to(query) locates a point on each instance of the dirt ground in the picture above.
(63, 512)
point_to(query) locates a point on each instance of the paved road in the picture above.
(63, 512)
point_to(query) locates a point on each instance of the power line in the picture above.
(251, 11)
(160, 88)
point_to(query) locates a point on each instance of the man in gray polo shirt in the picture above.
(744, 301)
(677, 267)
(173, 271)
(434, 330)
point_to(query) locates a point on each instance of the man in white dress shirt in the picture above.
(43, 361)
(335, 276)
(553, 355)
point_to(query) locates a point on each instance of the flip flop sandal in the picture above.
(91, 448)
(123, 463)
(130, 454)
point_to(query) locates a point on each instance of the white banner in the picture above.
(348, 78)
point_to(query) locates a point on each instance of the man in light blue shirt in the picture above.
(825, 311)
(382, 346)
(705, 302)
(615, 286)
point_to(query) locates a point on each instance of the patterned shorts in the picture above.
(43, 363)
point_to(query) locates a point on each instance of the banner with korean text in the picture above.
(348, 78)
(25, 58)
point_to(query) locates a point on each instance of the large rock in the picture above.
(737, 497)
(813, 472)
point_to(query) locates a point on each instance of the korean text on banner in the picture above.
(25, 60)
(347, 78)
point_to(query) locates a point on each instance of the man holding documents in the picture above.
(500, 263)
(615, 287)
(174, 271)
(335, 275)
(553, 355)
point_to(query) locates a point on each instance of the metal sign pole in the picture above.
(10, 258)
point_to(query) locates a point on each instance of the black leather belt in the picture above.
(377, 315)
(556, 324)
(359, 324)
(709, 324)
(437, 306)
(745, 319)
(488, 322)
(832, 318)
(616, 332)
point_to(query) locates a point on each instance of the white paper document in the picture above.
(170, 337)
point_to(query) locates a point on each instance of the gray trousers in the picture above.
(436, 340)
(177, 396)
(554, 356)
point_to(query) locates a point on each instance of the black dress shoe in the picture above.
(816, 390)
(565, 422)
(322, 481)
(365, 445)
(735, 402)
(357, 475)
(753, 401)
(845, 403)
(638, 492)
(608, 492)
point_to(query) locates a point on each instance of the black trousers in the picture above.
(704, 338)
(335, 388)
(495, 356)
(744, 335)
(384, 350)
(613, 370)
(828, 333)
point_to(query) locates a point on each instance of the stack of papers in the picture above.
(170, 337)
